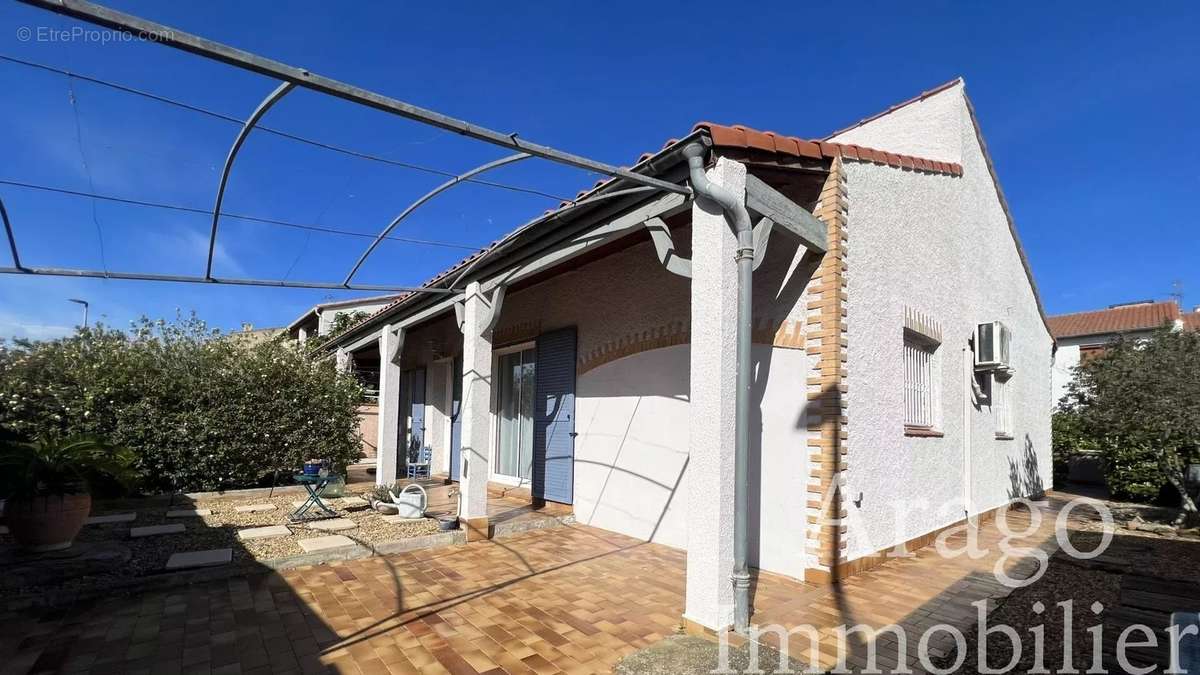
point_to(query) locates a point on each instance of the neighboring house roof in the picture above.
(1120, 319)
(746, 139)
(1191, 320)
(350, 302)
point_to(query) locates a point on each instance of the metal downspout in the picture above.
(734, 207)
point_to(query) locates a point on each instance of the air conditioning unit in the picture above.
(992, 342)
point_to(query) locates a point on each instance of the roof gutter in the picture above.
(734, 207)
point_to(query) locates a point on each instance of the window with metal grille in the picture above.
(920, 386)
(1002, 406)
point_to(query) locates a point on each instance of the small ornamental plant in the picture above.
(46, 483)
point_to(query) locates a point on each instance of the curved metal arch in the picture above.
(12, 242)
(426, 197)
(261, 110)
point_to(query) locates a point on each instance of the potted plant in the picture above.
(381, 500)
(46, 482)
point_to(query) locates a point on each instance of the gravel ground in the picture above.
(218, 530)
(372, 529)
(1060, 582)
(689, 655)
(1164, 556)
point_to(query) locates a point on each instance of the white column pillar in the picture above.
(713, 392)
(476, 412)
(391, 342)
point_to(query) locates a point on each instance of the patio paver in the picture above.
(210, 558)
(332, 524)
(154, 530)
(569, 600)
(112, 518)
(325, 543)
(249, 533)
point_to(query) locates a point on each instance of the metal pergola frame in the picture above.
(291, 77)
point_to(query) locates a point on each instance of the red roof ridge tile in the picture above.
(741, 136)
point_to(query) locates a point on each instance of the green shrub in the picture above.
(199, 411)
(1133, 472)
(1066, 439)
(1141, 401)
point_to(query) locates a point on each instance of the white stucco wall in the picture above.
(631, 452)
(1068, 355)
(939, 245)
(632, 448)
(931, 128)
(1065, 360)
(326, 317)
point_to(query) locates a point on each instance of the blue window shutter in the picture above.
(554, 417)
(456, 419)
(417, 397)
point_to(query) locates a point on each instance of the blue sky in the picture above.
(1089, 111)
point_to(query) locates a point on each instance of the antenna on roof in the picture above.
(1177, 292)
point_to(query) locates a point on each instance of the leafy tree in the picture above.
(342, 322)
(198, 412)
(1140, 401)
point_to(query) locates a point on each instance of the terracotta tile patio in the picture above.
(567, 600)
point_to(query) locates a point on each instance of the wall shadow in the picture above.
(114, 607)
(1024, 473)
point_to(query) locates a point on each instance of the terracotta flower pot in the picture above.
(47, 523)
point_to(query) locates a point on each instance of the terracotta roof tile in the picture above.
(738, 136)
(1144, 316)
(1191, 320)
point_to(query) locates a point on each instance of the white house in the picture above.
(591, 355)
(318, 320)
(1084, 335)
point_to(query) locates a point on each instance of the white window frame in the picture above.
(494, 431)
(921, 383)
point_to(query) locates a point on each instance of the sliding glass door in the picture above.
(515, 381)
